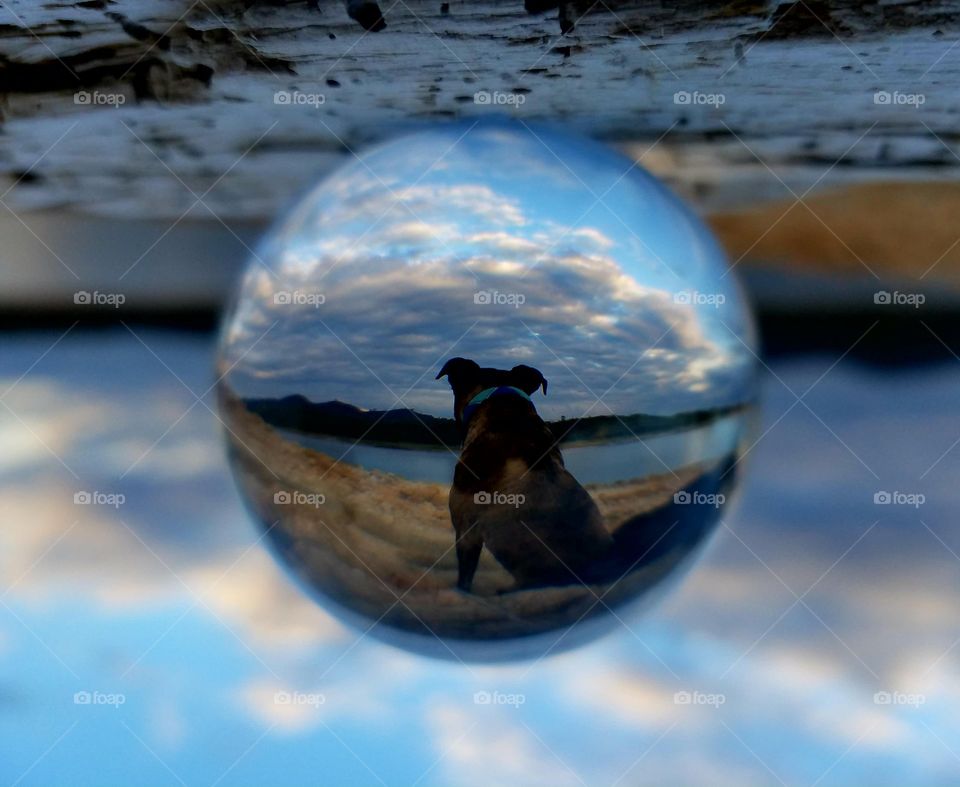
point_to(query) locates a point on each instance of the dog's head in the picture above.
(467, 378)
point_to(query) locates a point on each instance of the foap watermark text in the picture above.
(499, 499)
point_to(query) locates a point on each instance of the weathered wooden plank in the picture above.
(228, 94)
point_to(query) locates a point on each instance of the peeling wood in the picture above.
(135, 107)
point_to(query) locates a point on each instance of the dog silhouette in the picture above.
(511, 491)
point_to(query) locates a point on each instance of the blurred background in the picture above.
(146, 633)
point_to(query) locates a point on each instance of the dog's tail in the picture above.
(678, 526)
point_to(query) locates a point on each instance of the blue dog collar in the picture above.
(480, 398)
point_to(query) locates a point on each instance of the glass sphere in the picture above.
(484, 387)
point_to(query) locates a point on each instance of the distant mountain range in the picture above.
(408, 427)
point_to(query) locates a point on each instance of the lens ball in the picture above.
(485, 388)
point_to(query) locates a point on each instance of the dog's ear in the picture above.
(528, 379)
(459, 371)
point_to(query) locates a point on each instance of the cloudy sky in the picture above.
(423, 250)
(172, 601)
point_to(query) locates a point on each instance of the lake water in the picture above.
(605, 463)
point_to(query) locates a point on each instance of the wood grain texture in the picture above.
(740, 101)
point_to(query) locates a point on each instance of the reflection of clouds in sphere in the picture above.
(491, 372)
(398, 245)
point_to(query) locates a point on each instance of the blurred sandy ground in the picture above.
(870, 235)
(895, 230)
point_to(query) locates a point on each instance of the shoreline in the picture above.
(383, 547)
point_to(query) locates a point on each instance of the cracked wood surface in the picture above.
(136, 108)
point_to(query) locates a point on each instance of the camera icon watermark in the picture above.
(311, 699)
(696, 98)
(499, 98)
(699, 698)
(896, 98)
(884, 498)
(294, 98)
(299, 298)
(899, 698)
(99, 698)
(498, 698)
(684, 498)
(114, 499)
(897, 298)
(96, 98)
(696, 298)
(297, 498)
(495, 298)
(97, 298)
(499, 499)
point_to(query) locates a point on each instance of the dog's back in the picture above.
(532, 514)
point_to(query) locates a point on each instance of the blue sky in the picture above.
(589, 259)
(173, 601)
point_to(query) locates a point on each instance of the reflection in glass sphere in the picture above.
(484, 387)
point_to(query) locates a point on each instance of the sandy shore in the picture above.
(383, 546)
(901, 230)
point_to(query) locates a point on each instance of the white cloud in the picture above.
(491, 749)
(41, 428)
(277, 704)
(653, 353)
(109, 556)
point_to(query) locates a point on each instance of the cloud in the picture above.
(633, 698)
(594, 330)
(799, 698)
(275, 704)
(40, 428)
(71, 548)
(477, 750)
(589, 292)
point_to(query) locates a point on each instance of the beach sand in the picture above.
(383, 546)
